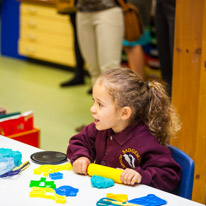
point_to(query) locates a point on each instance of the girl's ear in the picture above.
(126, 113)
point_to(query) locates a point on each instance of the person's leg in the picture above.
(79, 72)
(109, 32)
(170, 10)
(135, 56)
(79, 69)
(134, 52)
(165, 38)
(87, 42)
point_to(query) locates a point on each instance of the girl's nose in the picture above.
(92, 109)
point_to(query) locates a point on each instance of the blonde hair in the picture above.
(149, 101)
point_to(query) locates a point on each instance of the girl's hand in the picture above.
(130, 177)
(80, 165)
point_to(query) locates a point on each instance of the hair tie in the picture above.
(147, 86)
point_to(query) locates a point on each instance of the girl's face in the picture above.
(104, 111)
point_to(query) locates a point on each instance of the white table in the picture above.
(15, 190)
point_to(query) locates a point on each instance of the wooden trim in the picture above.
(47, 2)
(189, 90)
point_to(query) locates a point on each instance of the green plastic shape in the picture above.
(42, 183)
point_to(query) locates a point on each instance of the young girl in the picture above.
(133, 121)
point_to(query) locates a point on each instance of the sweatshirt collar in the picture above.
(126, 134)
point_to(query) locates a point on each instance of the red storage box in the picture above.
(16, 124)
(30, 137)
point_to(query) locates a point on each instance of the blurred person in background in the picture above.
(100, 30)
(165, 26)
(134, 50)
(79, 72)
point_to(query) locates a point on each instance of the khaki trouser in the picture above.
(100, 36)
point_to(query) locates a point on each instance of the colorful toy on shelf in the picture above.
(101, 182)
(104, 171)
(2, 111)
(42, 183)
(118, 197)
(67, 191)
(43, 193)
(46, 169)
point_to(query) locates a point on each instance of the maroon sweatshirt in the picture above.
(135, 148)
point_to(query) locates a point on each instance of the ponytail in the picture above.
(160, 115)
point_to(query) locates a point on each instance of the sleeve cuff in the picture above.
(146, 176)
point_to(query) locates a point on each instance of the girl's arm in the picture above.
(83, 144)
(160, 171)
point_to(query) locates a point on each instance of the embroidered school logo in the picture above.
(129, 158)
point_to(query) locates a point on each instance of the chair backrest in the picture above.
(187, 164)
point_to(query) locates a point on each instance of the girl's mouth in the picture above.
(96, 121)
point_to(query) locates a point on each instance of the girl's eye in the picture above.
(100, 105)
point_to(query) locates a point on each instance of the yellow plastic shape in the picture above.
(47, 193)
(118, 197)
(104, 171)
(46, 169)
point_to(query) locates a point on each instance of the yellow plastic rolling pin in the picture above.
(104, 171)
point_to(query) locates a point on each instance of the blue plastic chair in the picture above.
(187, 164)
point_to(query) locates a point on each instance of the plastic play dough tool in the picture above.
(49, 157)
(104, 171)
